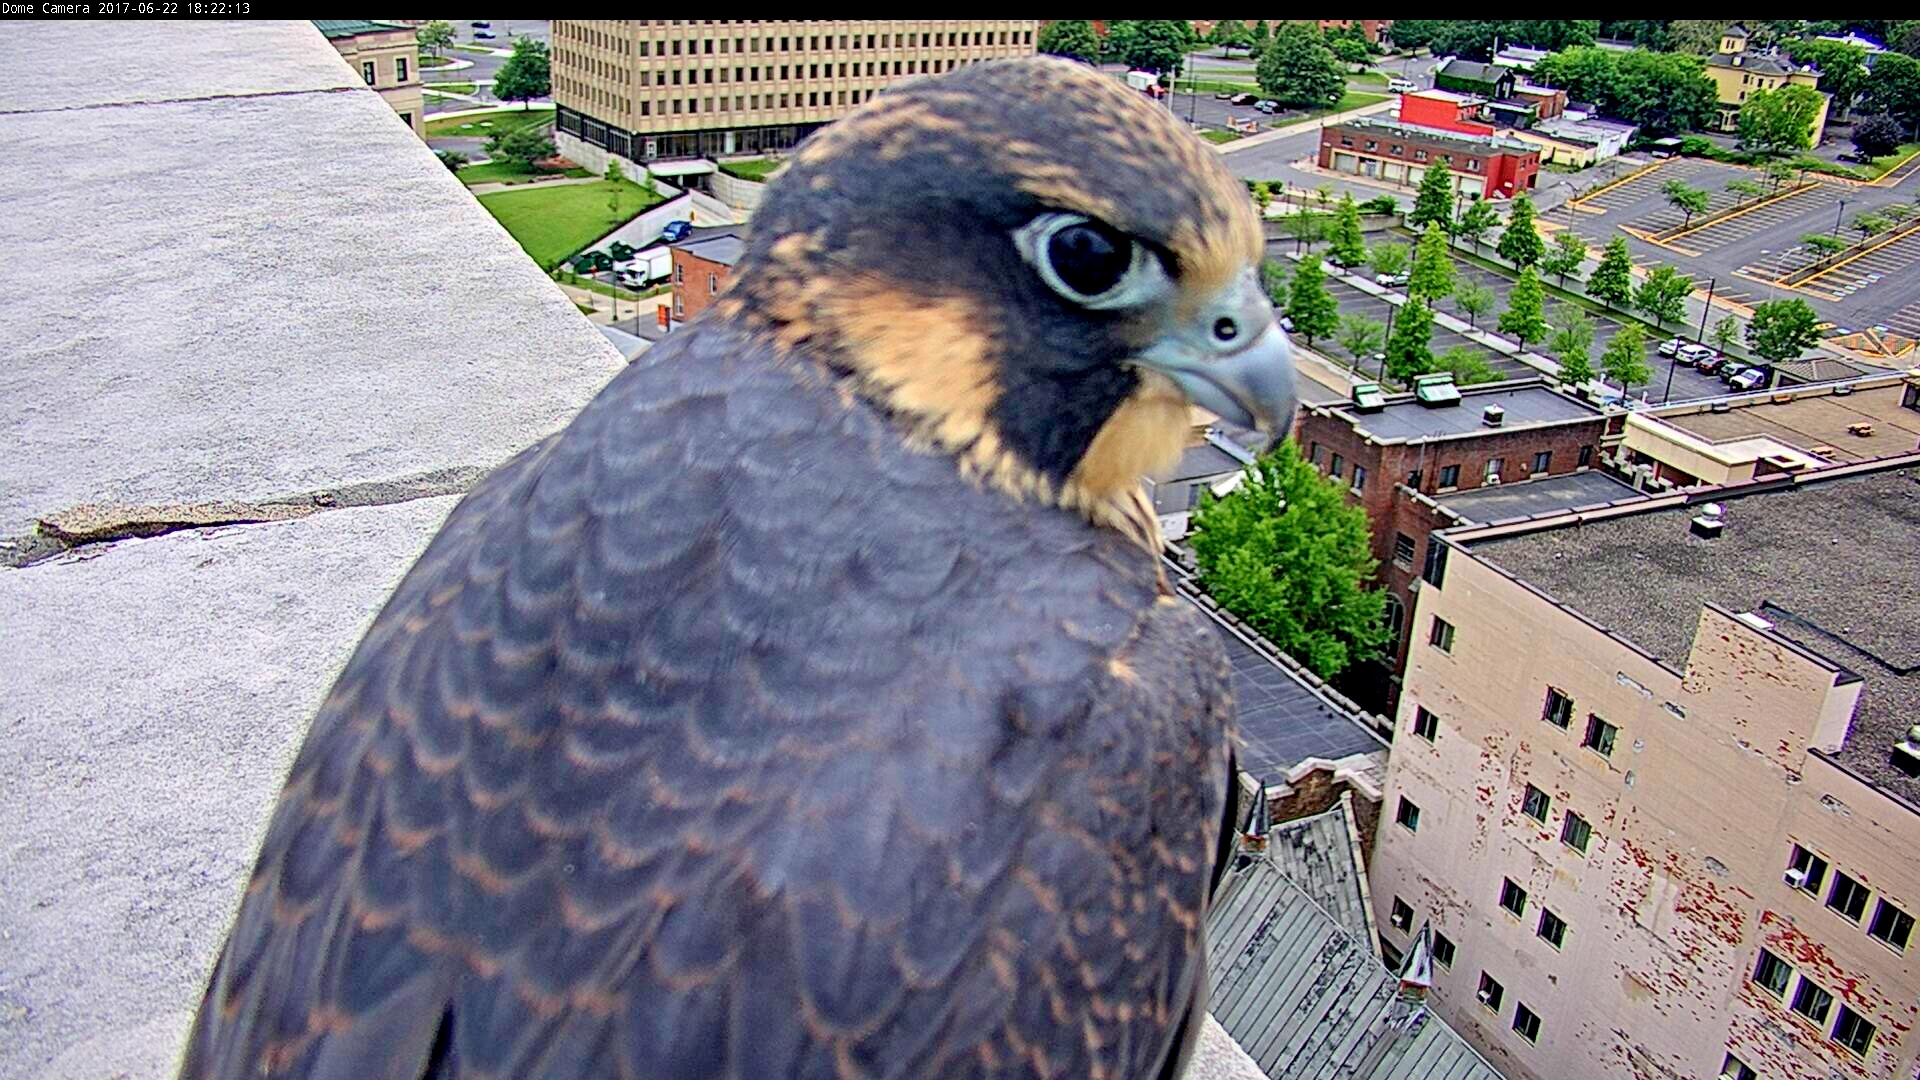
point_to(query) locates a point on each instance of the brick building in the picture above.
(1399, 454)
(1489, 165)
(700, 271)
(1656, 784)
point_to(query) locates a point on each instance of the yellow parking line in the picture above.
(1629, 178)
(1898, 234)
(1740, 212)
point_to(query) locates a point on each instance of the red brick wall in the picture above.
(691, 293)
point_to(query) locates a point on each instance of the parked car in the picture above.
(1223, 95)
(1400, 86)
(487, 34)
(1242, 99)
(480, 24)
(1392, 281)
(1267, 106)
(1286, 323)
(1730, 369)
(1751, 379)
(1856, 159)
(1712, 364)
(1693, 355)
(1671, 346)
(676, 231)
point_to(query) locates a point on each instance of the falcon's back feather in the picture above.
(722, 735)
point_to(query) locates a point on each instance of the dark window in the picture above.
(1435, 572)
(1408, 814)
(1402, 916)
(1397, 150)
(1811, 1002)
(1337, 466)
(1576, 833)
(1558, 710)
(1772, 973)
(1536, 803)
(366, 72)
(1552, 928)
(1442, 950)
(1494, 466)
(1390, 956)
(1441, 636)
(1426, 725)
(1586, 456)
(1314, 456)
(1490, 992)
(1543, 461)
(1344, 141)
(1419, 155)
(1599, 736)
(406, 118)
(1891, 925)
(1413, 479)
(1812, 868)
(1373, 144)
(1735, 1069)
(1526, 1023)
(1513, 897)
(1449, 476)
(1848, 897)
(400, 69)
(1403, 551)
(1359, 478)
(1853, 1031)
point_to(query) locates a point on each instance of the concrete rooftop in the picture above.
(236, 288)
(1527, 404)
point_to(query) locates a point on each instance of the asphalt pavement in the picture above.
(485, 66)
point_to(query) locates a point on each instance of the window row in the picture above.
(1850, 1029)
(1549, 928)
(1493, 468)
(812, 43)
(1599, 736)
(1338, 468)
(1471, 164)
(1526, 1022)
(1848, 896)
(370, 71)
(783, 73)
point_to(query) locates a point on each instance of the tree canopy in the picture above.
(1780, 121)
(1432, 274)
(1843, 67)
(1410, 344)
(1434, 204)
(1150, 44)
(434, 35)
(1296, 68)
(1625, 358)
(1782, 329)
(1664, 93)
(1612, 281)
(526, 75)
(1894, 88)
(1074, 39)
(1476, 222)
(1348, 247)
(1520, 242)
(1877, 135)
(1314, 311)
(1663, 295)
(1525, 317)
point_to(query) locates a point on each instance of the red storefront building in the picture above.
(1432, 130)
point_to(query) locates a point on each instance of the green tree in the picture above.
(1685, 198)
(1843, 68)
(1432, 274)
(1361, 337)
(1663, 295)
(1725, 333)
(1349, 51)
(1520, 242)
(1780, 121)
(1525, 317)
(1566, 255)
(1473, 299)
(1262, 196)
(1477, 221)
(1313, 311)
(1273, 278)
(1870, 225)
(526, 75)
(1434, 204)
(1572, 343)
(1612, 281)
(1347, 246)
(1230, 34)
(1305, 226)
(452, 159)
(1894, 88)
(1825, 245)
(1467, 364)
(435, 35)
(1260, 35)
(1877, 135)
(1074, 39)
(1410, 345)
(1701, 37)
(1777, 172)
(1387, 257)
(1625, 358)
(1296, 68)
(1150, 44)
(1665, 93)
(1289, 554)
(520, 147)
(1744, 190)
(1782, 329)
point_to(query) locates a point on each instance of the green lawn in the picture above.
(552, 223)
(473, 49)
(509, 172)
(1368, 78)
(435, 61)
(1204, 86)
(492, 123)
(1884, 165)
(451, 87)
(750, 170)
(1217, 136)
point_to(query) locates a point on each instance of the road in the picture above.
(485, 66)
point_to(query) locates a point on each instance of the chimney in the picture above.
(1709, 523)
(1493, 416)
(1906, 753)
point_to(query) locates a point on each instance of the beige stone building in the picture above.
(387, 56)
(1656, 784)
(650, 91)
(1739, 72)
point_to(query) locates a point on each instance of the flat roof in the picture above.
(1812, 419)
(1442, 135)
(1200, 461)
(725, 249)
(1829, 561)
(346, 28)
(1552, 494)
(1527, 404)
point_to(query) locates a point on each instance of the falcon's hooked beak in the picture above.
(1232, 358)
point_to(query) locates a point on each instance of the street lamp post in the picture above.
(1837, 217)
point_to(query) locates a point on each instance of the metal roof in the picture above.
(345, 28)
(1321, 855)
(1307, 999)
(725, 249)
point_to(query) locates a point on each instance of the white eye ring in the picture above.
(1144, 279)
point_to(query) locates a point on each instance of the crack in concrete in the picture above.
(94, 524)
(187, 100)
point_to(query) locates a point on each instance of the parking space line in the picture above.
(1891, 238)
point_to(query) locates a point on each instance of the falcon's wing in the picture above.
(719, 736)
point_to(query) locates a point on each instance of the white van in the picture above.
(1398, 85)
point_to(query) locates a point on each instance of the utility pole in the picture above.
(1838, 216)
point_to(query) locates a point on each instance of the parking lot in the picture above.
(1353, 301)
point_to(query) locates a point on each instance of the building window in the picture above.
(1359, 478)
(679, 306)
(713, 284)
(1559, 709)
(1811, 1002)
(1426, 725)
(1344, 141)
(1390, 956)
(406, 118)
(1576, 833)
(1396, 612)
(1536, 803)
(1494, 467)
(1337, 466)
(1586, 456)
(399, 69)
(366, 72)
(1490, 992)
(1735, 1069)
(1513, 897)
(1442, 950)
(1473, 164)
(1449, 476)
(1408, 814)
(1402, 916)
(1435, 572)
(1441, 636)
(1397, 150)
(1403, 551)
(1853, 1031)
(1599, 736)
(1772, 974)
(1848, 897)
(1543, 461)
(679, 273)
(1413, 479)
(1811, 870)
(1526, 1023)
(1552, 928)
(1419, 155)
(1891, 925)
(1373, 144)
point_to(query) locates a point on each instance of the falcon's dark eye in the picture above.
(1089, 258)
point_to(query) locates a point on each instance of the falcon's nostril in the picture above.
(1225, 329)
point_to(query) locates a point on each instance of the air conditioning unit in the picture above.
(1485, 997)
(1493, 478)
(1796, 877)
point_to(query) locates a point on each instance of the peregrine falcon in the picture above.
(812, 705)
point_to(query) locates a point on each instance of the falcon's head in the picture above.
(1033, 266)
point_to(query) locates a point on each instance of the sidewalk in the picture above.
(1276, 134)
(603, 306)
(558, 181)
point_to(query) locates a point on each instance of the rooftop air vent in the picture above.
(1722, 406)
(1493, 416)
(1842, 390)
(1753, 620)
(1436, 390)
(1709, 523)
(1368, 397)
(1822, 450)
(1906, 753)
(1863, 430)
